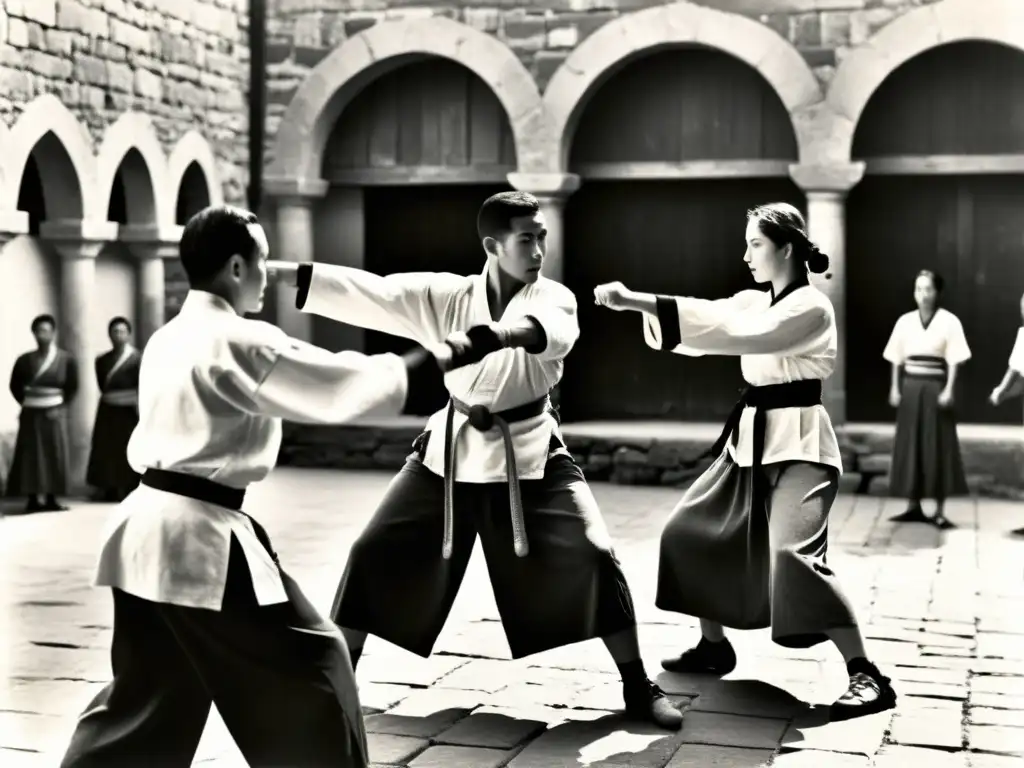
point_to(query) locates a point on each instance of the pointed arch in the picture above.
(150, 194)
(192, 150)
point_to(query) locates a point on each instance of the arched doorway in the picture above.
(193, 194)
(409, 162)
(132, 202)
(673, 149)
(49, 189)
(944, 189)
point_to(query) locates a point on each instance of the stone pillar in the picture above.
(294, 200)
(150, 245)
(552, 190)
(826, 188)
(79, 243)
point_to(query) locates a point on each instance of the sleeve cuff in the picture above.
(304, 279)
(668, 319)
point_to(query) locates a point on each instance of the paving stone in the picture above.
(548, 716)
(706, 756)
(605, 743)
(18, 758)
(48, 697)
(459, 757)
(431, 702)
(981, 760)
(487, 675)
(996, 738)
(896, 756)
(379, 697)
(887, 652)
(861, 736)
(960, 653)
(928, 728)
(683, 685)
(997, 701)
(926, 675)
(531, 693)
(812, 758)
(732, 730)
(484, 639)
(33, 732)
(990, 716)
(393, 750)
(998, 666)
(408, 669)
(418, 727)
(490, 730)
(936, 690)
(1006, 686)
(1000, 646)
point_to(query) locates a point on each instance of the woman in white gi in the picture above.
(1013, 380)
(926, 348)
(758, 517)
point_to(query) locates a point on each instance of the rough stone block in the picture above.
(460, 757)
(393, 750)
(938, 729)
(706, 756)
(996, 738)
(490, 731)
(732, 730)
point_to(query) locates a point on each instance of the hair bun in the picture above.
(817, 261)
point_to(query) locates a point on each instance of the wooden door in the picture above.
(969, 230)
(683, 238)
(422, 229)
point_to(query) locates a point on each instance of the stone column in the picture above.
(826, 187)
(150, 245)
(79, 243)
(294, 201)
(552, 190)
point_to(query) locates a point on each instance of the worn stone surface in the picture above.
(475, 707)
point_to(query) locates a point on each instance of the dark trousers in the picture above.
(280, 676)
(569, 588)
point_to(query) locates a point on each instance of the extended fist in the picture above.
(467, 347)
(286, 272)
(611, 295)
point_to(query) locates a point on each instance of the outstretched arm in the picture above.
(412, 305)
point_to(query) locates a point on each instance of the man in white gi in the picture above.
(491, 463)
(202, 610)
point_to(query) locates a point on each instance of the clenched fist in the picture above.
(285, 272)
(611, 295)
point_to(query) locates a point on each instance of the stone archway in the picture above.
(618, 41)
(311, 115)
(130, 146)
(190, 153)
(46, 119)
(867, 67)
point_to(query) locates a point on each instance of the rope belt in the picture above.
(482, 419)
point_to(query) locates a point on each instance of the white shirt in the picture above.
(426, 307)
(1016, 362)
(943, 337)
(213, 389)
(793, 340)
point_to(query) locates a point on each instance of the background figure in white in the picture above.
(1012, 384)
(926, 348)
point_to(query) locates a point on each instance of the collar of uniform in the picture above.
(480, 299)
(205, 301)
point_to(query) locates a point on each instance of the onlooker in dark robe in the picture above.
(117, 373)
(43, 382)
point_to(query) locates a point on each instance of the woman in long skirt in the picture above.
(926, 348)
(117, 373)
(757, 519)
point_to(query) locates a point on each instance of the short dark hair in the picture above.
(937, 282)
(496, 214)
(40, 320)
(213, 236)
(782, 223)
(116, 321)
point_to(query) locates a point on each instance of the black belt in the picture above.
(793, 394)
(194, 487)
(482, 419)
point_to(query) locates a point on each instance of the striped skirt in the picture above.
(926, 461)
(719, 561)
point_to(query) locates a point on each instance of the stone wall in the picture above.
(993, 466)
(182, 62)
(302, 32)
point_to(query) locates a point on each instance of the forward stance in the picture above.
(757, 519)
(203, 612)
(491, 463)
(926, 349)
(43, 382)
(117, 373)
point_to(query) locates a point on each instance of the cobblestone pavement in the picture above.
(942, 611)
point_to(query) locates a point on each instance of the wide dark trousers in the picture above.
(280, 676)
(108, 468)
(40, 463)
(569, 588)
(926, 459)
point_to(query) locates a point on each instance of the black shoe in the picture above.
(869, 692)
(647, 702)
(52, 505)
(942, 522)
(914, 514)
(706, 658)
